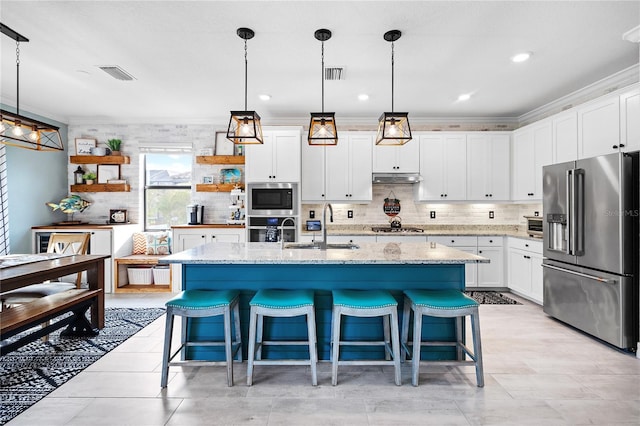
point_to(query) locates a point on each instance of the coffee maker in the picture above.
(195, 213)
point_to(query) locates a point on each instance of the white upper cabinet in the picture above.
(565, 136)
(488, 161)
(599, 127)
(630, 120)
(348, 168)
(443, 166)
(313, 172)
(532, 149)
(277, 159)
(397, 159)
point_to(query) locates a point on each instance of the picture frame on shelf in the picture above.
(223, 145)
(107, 172)
(117, 216)
(207, 179)
(84, 145)
(205, 151)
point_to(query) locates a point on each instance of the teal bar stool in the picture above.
(281, 303)
(199, 304)
(366, 303)
(443, 304)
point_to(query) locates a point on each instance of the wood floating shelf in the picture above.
(100, 159)
(220, 159)
(143, 288)
(102, 187)
(217, 187)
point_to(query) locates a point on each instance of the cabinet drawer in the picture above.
(455, 240)
(492, 241)
(524, 244)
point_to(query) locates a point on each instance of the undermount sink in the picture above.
(316, 246)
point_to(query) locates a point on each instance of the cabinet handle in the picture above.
(490, 241)
(615, 147)
(621, 145)
(453, 241)
(480, 251)
(201, 236)
(446, 195)
(526, 245)
(527, 257)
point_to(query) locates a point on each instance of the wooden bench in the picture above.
(138, 259)
(28, 315)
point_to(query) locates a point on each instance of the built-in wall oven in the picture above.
(263, 229)
(272, 199)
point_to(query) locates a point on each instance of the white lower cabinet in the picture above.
(484, 275)
(525, 268)
(184, 239)
(404, 238)
(341, 239)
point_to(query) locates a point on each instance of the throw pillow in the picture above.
(139, 243)
(159, 243)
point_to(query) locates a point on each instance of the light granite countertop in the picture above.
(367, 253)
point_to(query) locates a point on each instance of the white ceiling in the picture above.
(189, 63)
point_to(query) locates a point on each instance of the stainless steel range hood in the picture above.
(396, 178)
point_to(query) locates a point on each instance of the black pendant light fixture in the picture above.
(244, 126)
(17, 130)
(322, 128)
(393, 128)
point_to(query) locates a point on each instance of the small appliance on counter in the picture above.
(195, 214)
(534, 226)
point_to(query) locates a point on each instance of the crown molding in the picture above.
(619, 80)
(633, 35)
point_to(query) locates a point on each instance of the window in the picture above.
(167, 189)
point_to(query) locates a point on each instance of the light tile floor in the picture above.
(537, 371)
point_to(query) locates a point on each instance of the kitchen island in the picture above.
(252, 266)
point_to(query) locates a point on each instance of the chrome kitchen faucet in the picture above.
(323, 246)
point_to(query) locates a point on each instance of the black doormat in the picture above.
(491, 298)
(30, 373)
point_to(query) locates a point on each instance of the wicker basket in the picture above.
(139, 275)
(162, 276)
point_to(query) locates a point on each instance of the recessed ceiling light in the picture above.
(363, 97)
(521, 57)
(264, 97)
(464, 97)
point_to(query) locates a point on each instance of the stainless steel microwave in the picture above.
(272, 199)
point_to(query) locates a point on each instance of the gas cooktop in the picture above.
(406, 230)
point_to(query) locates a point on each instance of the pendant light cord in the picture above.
(245, 74)
(392, 75)
(17, 77)
(322, 76)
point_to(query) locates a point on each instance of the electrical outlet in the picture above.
(536, 214)
(350, 214)
(491, 216)
(432, 214)
(312, 214)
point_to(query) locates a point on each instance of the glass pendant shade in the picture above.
(322, 129)
(244, 128)
(393, 129)
(24, 132)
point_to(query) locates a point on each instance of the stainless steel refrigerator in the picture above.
(590, 211)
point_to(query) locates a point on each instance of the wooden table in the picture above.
(14, 277)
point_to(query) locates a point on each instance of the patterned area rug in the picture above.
(491, 298)
(30, 373)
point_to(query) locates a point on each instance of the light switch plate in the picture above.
(491, 215)
(312, 214)
(350, 214)
(432, 214)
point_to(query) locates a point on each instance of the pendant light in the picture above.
(322, 128)
(393, 128)
(17, 130)
(244, 126)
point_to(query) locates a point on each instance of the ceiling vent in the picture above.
(334, 73)
(117, 72)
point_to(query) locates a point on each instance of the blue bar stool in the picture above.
(281, 303)
(444, 304)
(198, 304)
(366, 303)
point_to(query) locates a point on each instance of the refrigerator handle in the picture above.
(580, 274)
(570, 208)
(578, 212)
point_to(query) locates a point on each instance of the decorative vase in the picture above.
(89, 181)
